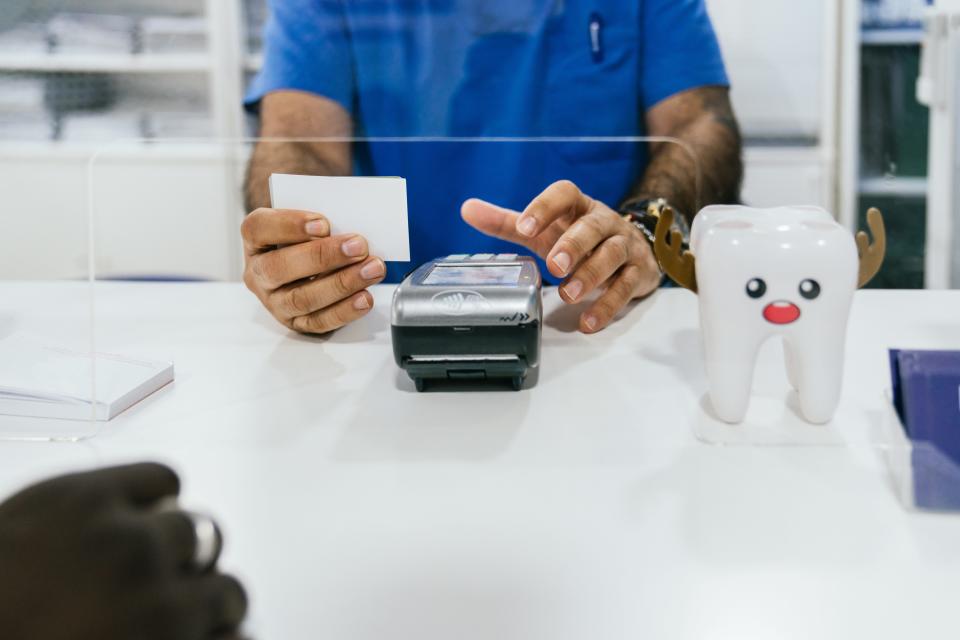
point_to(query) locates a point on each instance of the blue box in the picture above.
(923, 434)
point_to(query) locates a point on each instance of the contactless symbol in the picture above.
(460, 302)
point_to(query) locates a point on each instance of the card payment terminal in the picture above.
(469, 317)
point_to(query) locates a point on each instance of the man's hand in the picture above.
(89, 556)
(316, 284)
(583, 241)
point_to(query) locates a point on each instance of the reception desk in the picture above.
(602, 501)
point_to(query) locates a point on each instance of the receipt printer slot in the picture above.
(466, 374)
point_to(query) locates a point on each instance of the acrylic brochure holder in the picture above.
(47, 374)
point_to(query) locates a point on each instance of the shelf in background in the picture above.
(253, 62)
(892, 37)
(105, 62)
(896, 186)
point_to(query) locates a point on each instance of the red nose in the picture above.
(781, 312)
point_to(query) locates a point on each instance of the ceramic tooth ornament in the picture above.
(759, 273)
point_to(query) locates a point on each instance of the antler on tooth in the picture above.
(680, 265)
(871, 255)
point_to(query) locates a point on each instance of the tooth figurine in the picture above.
(788, 272)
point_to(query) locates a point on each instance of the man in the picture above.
(103, 554)
(495, 68)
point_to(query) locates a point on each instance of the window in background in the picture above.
(894, 132)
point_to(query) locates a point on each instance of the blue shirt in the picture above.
(490, 68)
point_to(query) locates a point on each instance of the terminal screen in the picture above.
(487, 275)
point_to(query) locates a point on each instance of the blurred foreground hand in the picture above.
(95, 556)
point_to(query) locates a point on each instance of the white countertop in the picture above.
(590, 506)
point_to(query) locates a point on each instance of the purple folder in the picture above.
(926, 391)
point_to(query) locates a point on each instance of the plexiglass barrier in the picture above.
(169, 241)
(48, 376)
(171, 253)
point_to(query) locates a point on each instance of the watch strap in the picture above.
(645, 214)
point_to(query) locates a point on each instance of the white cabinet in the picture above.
(778, 176)
(776, 53)
(783, 60)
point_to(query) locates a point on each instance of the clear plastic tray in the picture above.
(924, 477)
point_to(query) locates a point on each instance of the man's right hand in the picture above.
(315, 284)
(97, 555)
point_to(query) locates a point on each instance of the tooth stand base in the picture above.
(773, 420)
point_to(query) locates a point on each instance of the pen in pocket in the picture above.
(596, 37)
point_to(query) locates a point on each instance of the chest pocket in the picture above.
(592, 87)
(485, 18)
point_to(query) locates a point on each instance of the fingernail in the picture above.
(527, 226)
(354, 248)
(562, 260)
(573, 289)
(317, 228)
(361, 303)
(591, 322)
(373, 270)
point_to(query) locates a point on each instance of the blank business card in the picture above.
(375, 208)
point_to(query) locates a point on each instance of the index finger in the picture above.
(499, 222)
(559, 200)
(265, 228)
(142, 484)
(492, 220)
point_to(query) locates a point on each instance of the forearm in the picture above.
(302, 134)
(303, 158)
(704, 166)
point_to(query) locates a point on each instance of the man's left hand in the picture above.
(583, 241)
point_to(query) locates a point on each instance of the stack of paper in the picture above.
(43, 381)
(256, 14)
(179, 124)
(22, 114)
(103, 127)
(174, 34)
(21, 94)
(92, 33)
(25, 126)
(893, 13)
(24, 38)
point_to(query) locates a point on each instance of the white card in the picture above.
(375, 208)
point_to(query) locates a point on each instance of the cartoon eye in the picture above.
(810, 289)
(756, 288)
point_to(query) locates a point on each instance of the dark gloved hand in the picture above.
(91, 556)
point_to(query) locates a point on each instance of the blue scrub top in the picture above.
(490, 68)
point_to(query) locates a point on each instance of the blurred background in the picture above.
(834, 98)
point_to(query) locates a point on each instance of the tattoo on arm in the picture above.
(304, 158)
(702, 120)
(299, 131)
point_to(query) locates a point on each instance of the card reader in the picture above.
(469, 317)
